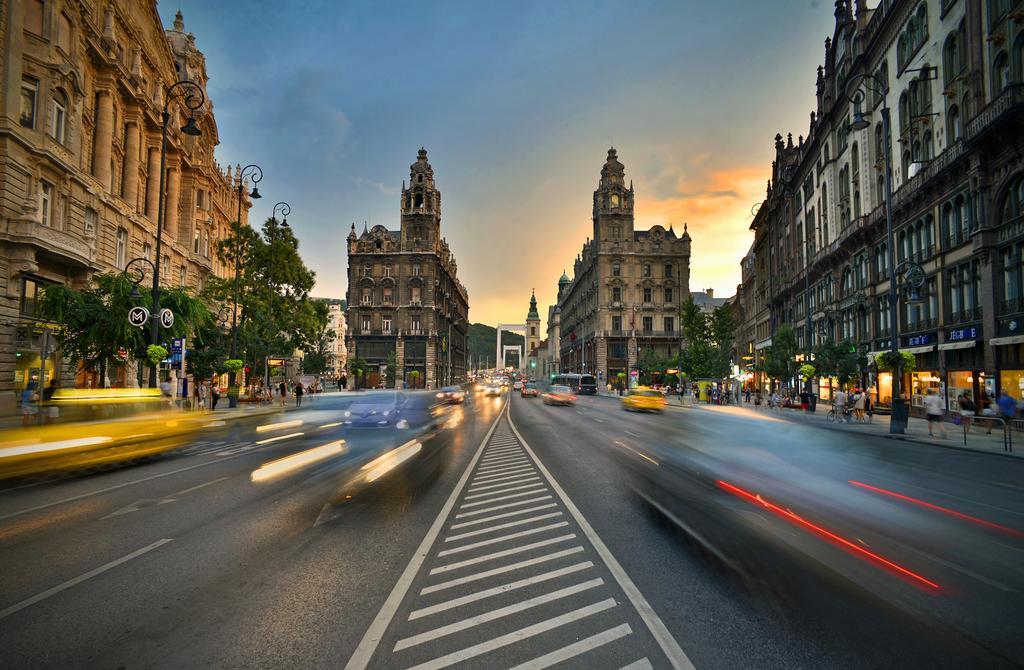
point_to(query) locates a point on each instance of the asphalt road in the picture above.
(518, 538)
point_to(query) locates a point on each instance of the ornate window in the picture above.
(121, 251)
(29, 92)
(615, 200)
(1000, 73)
(58, 116)
(46, 205)
(648, 294)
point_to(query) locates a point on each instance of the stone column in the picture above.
(130, 176)
(431, 381)
(103, 137)
(350, 377)
(631, 355)
(152, 183)
(171, 206)
(602, 361)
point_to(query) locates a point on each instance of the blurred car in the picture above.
(530, 390)
(517, 385)
(396, 410)
(492, 390)
(452, 394)
(559, 395)
(643, 399)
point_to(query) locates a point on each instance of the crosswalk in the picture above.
(515, 579)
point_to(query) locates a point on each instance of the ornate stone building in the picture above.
(337, 356)
(83, 87)
(626, 289)
(406, 305)
(952, 72)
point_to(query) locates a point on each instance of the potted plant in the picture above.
(233, 365)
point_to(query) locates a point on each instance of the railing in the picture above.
(981, 419)
(1013, 305)
(1011, 97)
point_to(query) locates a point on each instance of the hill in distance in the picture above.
(482, 343)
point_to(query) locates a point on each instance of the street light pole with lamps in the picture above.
(286, 209)
(254, 172)
(898, 415)
(194, 99)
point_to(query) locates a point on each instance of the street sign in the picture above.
(138, 316)
(176, 344)
(166, 318)
(276, 362)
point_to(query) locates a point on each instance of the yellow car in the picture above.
(644, 399)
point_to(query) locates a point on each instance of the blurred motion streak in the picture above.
(790, 516)
(938, 508)
(54, 446)
(278, 426)
(384, 464)
(638, 453)
(278, 438)
(102, 396)
(295, 462)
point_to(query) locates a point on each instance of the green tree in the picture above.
(708, 341)
(837, 360)
(358, 367)
(92, 323)
(779, 361)
(389, 375)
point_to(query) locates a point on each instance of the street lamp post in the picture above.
(286, 209)
(256, 174)
(897, 417)
(194, 99)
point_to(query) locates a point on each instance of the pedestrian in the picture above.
(839, 404)
(282, 391)
(1007, 407)
(746, 396)
(166, 392)
(342, 383)
(29, 399)
(966, 410)
(203, 392)
(298, 394)
(988, 408)
(933, 406)
(49, 407)
(214, 395)
(869, 407)
(859, 400)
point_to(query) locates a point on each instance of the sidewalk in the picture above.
(917, 429)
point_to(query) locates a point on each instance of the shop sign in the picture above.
(920, 340)
(963, 334)
(1014, 326)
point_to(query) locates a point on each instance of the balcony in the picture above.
(965, 315)
(1011, 98)
(1012, 305)
(67, 246)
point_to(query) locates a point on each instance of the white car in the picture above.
(517, 386)
(492, 390)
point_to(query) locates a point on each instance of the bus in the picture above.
(580, 384)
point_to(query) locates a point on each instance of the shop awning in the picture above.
(1011, 339)
(958, 345)
(763, 345)
(919, 350)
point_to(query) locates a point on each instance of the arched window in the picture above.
(950, 58)
(954, 127)
(825, 153)
(902, 52)
(901, 246)
(922, 24)
(1018, 59)
(59, 116)
(847, 282)
(904, 112)
(906, 165)
(1013, 204)
(946, 223)
(928, 240)
(1000, 72)
(927, 150)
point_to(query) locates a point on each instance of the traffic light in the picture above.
(533, 364)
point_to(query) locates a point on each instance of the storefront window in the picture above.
(1012, 382)
(883, 391)
(957, 384)
(921, 383)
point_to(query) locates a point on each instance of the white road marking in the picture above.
(515, 636)
(501, 516)
(500, 571)
(511, 465)
(499, 590)
(198, 486)
(676, 656)
(17, 607)
(368, 645)
(508, 497)
(598, 420)
(518, 479)
(499, 613)
(268, 440)
(576, 648)
(501, 554)
(505, 506)
(503, 538)
(509, 524)
(504, 459)
(630, 433)
(642, 664)
(504, 490)
(508, 474)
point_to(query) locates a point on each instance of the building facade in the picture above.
(626, 289)
(83, 92)
(337, 353)
(952, 73)
(406, 305)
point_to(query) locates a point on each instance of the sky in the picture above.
(517, 104)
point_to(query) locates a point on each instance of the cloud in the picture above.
(363, 182)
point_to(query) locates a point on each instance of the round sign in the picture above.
(166, 318)
(138, 316)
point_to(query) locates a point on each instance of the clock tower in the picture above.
(421, 207)
(613, 204)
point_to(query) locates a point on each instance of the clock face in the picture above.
(615, 201)
(615, 179)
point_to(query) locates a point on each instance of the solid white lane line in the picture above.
(505, 506)
(515, 636)
(505, 515)
(598, 420)
(500, 571)
(642, 664)
(502, 526)
(576, 648)
(508, 489)
(501, 554)
(17, 607)
(630, 433)
(289, 436)
(503, 538)
(676, 656)
(368, 644)
(519, 479)
(196, 488)
(496, 614)
(508, 474)
(499, 590)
